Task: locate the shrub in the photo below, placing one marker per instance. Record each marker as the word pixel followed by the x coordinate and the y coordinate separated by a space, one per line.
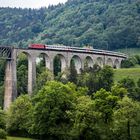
pixel 137 58
pixel 2 134
pixel 127 63
pixel 131 62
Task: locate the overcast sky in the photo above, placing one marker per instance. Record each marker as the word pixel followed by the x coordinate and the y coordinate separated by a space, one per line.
pixel 29 3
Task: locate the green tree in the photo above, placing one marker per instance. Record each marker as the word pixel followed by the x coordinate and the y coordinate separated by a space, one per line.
pixel 42 78
pixel 57 65
pixel 105 103
pixel 2 71
pixel 90 78
pixel 72 76
pixel 96 78
pixel 22 74
pixel 49 113
pixel 106 78
pixel 2 124
pixel 119 91
pixel 130 62
pixel 126 120
pixel 138 83
pixel 18 116
pixel 127 63
pixel 85 120
pixel 2 95
pixel 129 84
pixel 2 75
pixel 105 24
pixel 137 58
pixel 2 119
pixel 137 91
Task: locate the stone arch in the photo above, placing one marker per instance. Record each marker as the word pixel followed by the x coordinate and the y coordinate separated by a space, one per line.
pixel 28 87
pixel 77 62
pixel 26 53
pixel 30 59
pixel 109 62
pixel 89 61
pixel 31 70
pixel 100 61
pixel 62 62
pixel 47 59
pixel 116 64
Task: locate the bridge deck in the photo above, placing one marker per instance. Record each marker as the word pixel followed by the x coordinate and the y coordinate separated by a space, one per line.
pixel 81 50
pixel 6 51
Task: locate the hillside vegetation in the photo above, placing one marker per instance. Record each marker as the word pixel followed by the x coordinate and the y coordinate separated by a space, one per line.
pixel 106 24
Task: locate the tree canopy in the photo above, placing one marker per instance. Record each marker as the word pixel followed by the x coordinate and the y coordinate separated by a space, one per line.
pixel 106 24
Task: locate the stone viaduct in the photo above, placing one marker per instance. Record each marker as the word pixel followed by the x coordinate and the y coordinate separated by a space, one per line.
pixel 79 56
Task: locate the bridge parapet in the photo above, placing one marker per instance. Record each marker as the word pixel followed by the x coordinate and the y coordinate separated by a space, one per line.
pixel 5 52
pixel 110 53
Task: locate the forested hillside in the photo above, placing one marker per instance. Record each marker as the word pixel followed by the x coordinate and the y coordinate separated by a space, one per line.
pixel 104 24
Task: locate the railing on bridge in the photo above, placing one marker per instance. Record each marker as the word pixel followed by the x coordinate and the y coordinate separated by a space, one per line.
pixel 5 52
pixel 82 50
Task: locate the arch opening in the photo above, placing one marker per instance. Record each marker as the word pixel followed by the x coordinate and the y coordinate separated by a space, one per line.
pixel 23 59
pixel 88 62
pixel 100 62
pixel 59 64
pixel 76 61
pixel 109 62
pixel 42 62
pixel 116 64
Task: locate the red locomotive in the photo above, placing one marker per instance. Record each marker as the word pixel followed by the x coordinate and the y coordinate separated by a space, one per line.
pixel 37 46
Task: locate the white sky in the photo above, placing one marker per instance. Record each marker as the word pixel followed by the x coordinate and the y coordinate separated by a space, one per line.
pixel 29 3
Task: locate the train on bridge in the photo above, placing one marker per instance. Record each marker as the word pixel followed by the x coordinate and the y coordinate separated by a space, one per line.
pixel 75 49
pixel 59 47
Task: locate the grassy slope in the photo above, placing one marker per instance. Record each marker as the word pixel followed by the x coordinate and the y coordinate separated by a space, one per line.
pixel 17 138
pixel 133 73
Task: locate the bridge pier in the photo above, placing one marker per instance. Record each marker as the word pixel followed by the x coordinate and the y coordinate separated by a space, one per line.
pixel 10 83
pixel 51 68
pixel 31 74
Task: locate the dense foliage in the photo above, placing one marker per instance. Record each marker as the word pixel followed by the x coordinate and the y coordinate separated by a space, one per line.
pixel 107 24
pixel 19 112
pixel 96 78
pixel 90 109
pixel 65 112
pixel 2 124
pixel 85 106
